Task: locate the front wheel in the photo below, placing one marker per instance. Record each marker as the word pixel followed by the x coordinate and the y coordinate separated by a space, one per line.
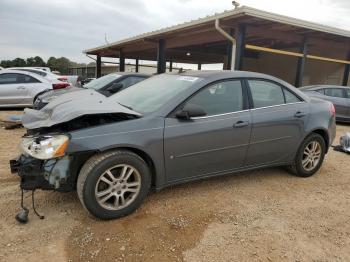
pixel 310 156
pixel 113 184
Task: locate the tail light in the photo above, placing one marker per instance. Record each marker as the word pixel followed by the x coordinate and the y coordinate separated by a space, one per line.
pixel 60 85
pixel 333 110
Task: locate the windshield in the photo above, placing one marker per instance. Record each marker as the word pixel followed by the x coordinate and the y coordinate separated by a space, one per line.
pixel 153 93
pixel 102 81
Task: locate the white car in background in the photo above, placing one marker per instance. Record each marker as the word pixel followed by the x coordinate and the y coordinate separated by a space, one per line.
pixel 73 80
pixel 20 88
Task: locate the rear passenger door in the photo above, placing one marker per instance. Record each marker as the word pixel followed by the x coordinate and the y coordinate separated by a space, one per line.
pixel 278 119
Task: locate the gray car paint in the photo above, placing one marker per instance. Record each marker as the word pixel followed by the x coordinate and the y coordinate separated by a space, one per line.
pixel 342 105
pixel 186 150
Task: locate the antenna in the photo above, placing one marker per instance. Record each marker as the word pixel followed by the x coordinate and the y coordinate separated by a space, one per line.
pixel 106 39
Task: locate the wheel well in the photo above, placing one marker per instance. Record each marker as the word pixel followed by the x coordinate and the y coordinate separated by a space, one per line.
pixel 146 158
pixel 40 93
pixel 324 134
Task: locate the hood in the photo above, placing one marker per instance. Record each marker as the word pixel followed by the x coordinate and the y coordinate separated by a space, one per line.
pixel 72 105
pixel 50 95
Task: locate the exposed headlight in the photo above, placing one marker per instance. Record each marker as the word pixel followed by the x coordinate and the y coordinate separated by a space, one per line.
pixel 45 147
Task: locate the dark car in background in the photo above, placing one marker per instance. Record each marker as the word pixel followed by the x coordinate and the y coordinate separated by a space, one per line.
pixel 170 129
pixel 106 85
pixel 338 95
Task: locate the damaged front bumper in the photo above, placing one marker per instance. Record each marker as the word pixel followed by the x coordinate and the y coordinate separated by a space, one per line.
pixel 51 174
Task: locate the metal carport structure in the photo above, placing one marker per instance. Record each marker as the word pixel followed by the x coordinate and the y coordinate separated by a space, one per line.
pixel 239 38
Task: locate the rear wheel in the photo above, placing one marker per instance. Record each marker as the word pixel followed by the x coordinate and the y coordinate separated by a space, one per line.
pixel 310 156
pixel 113 184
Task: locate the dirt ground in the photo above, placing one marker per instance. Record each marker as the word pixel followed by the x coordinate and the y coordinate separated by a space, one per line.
pixel 264 215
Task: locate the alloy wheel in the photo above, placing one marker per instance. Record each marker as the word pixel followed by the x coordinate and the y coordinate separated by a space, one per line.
pixel 311 155
pixel 118 187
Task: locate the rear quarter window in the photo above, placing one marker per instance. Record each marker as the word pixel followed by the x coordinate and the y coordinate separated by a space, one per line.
pixel 290 97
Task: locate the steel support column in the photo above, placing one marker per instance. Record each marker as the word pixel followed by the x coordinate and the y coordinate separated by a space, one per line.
pixel 137 65
pixel 161 62
pixel 121 62
pixel 170 66
pixel 230 52
pixel 301 65
pixel 346 72
pixel 240 46
pixel 98 66
pixel 199 66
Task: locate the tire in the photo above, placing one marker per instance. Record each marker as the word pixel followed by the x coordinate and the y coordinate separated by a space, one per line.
pixel 94 175
pixel 308 170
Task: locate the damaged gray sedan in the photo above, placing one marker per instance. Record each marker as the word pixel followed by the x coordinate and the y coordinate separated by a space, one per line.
pixel 170 129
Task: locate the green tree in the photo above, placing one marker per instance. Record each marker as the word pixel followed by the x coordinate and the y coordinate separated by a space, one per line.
pixel 19 62
pixel 38 61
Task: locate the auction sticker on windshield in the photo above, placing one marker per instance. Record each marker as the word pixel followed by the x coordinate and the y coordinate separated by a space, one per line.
pixel 188 78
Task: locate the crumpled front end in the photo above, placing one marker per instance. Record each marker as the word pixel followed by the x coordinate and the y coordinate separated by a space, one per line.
pixel 52 174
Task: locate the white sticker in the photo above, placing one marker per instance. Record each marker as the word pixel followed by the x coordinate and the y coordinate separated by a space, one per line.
pixel 187 78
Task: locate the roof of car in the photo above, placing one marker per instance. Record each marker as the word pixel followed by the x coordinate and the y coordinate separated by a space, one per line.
pixel 131 74
pixel 39 77
pixel 223 74
pixel 323 86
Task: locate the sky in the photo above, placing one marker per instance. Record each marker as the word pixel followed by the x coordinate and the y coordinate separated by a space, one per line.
pixel 66 27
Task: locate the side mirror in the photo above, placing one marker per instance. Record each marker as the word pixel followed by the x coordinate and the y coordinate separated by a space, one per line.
pixel 189 111
pixel 114 87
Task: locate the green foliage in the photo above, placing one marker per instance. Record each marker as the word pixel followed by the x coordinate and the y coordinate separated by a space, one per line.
pixel 61 64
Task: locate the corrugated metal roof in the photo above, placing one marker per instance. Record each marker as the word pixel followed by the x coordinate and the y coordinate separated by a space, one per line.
pixel 244 10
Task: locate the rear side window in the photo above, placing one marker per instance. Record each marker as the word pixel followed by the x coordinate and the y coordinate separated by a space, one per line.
pixel 220 98
pixel 29 79
pixel 265 93
pixel 335 92
pixel 290 97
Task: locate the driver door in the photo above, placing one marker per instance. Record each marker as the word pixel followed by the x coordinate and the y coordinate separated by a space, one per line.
pixel 218 142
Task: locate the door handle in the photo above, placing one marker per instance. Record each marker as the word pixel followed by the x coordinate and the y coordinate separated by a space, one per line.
pixel 21 87
pixel 299 114
pixel 240 124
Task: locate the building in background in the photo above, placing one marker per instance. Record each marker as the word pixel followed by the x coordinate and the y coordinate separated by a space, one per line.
pixel 298 51
pixel 90 70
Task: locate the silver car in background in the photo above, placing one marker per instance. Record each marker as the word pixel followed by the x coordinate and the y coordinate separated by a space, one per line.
pixel 20 88
pixel 338 95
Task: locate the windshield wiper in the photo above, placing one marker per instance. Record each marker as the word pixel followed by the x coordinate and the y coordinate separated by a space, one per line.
pixel 128 107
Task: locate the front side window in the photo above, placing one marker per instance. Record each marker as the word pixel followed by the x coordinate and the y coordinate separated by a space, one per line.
pixel 9 78
pixel 102 81
pixel 219 98
pixel 335 92
pixel 265 93
pixel 131 80
pixel 321 91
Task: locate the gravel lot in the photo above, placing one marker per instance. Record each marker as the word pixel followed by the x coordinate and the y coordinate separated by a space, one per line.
pixel 265 215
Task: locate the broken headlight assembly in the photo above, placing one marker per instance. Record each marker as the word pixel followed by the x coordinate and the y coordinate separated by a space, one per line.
pixel 45 147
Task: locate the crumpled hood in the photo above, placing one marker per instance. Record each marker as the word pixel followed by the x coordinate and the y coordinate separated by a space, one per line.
pixel 72 105
pixel 50 95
